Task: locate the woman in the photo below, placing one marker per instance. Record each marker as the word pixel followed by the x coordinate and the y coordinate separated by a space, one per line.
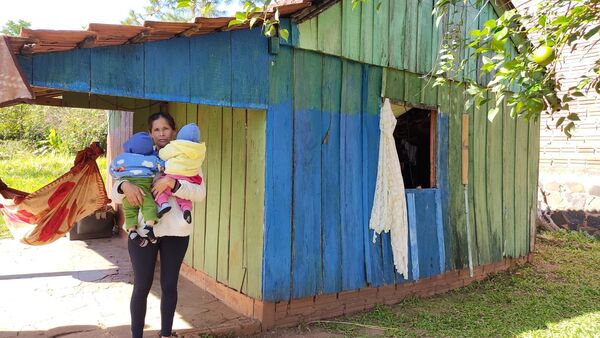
pixel 172 230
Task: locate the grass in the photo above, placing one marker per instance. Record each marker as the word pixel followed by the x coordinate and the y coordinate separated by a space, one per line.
pixel 556 295
pixel 22 170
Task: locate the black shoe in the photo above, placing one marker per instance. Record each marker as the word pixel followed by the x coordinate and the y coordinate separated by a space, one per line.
pixel 150 233
pixel 141 241
pixel 163 209
pixel 187 215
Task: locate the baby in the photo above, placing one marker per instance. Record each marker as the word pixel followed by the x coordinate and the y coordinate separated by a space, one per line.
pixel 138 164
pixel 183 158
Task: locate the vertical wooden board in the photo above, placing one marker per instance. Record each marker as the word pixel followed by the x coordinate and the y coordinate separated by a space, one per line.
pixel 508 182
pixel 191 111
pixel 200 207
pixel 443 144
pixel 472 66
pixel 278 180
pixel 211 66
pixel 426 225
pixel 533 168
pixel 126 104
pixel 308 34
pixel 413 247
pixel 353 257
pixel 255 199
pixel 437 36
pixel 366 31
pixel 397 33
pixel 351 28
pixel 225 212
pixel 480 171
pixel 364 169
pixel 412 88
pixel 411 28
pixel 424 36
pixel 456 196
pixel 429 93
pixel 26 66
pixel 213 185
pixel 381 33
pixel 306 254
pixel 456 17
pixel 371 136
pixel 237 265
pixel 394 84
pixel 179 113
pixel 330 175
pixel 118 70
pixel 140 117
pixel 439 228
pixel 64 70
pixel 521 212
pixel 494 184
pixel 250 66
pixel 329 37
pixel 165 65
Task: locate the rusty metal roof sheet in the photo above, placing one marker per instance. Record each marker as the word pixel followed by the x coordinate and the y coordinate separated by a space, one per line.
pixel 34 41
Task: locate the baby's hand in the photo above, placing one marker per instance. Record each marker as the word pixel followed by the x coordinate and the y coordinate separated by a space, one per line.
pixel 162 184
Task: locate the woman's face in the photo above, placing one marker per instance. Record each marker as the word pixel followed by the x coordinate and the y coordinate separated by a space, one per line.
pixel 161 132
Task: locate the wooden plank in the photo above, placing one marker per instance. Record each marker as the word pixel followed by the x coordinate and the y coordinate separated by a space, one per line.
pixel 508 182
pixel 364 169
pixel 397 34
pixel 211 83
pixel 371 135
pixel 428 93
pixel 425 226
pixel 237 266
pixel 197 218
pixel 443 143
pixel 278 178
pixel 494 185
pixel 103 102
pixel 412 88
pixel 533 168
pixel 255 199
pixel 306 251
pixel 179 113
pixel 411 37
pixel 351 28
pixel 353 268
pixel 329 38
pixel 26 66
pixel 213 185
pixel 308 34
pixel 118 71
pixel 521 213
pixel 480 192
pixel 424 36
pixel 68 70
pixel 165 63
pixel 414 272
pixel 439 229
pixel 456 196
pixel 381 35
pixel 73 99
pixel 437 37
pixel 249 65
pixel 394 84
pixel 225 212
pixel 472 66
pixel 367 31
pixel 330 178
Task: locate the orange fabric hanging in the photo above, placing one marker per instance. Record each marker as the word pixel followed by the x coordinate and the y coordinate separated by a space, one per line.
pixel 48 213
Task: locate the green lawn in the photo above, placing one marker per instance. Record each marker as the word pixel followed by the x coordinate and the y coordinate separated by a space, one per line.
pixel 556 295
pixel 22 170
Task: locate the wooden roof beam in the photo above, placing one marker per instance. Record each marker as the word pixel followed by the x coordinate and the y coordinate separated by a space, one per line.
pixel 140 37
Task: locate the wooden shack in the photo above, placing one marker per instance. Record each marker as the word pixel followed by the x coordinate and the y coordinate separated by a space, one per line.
pixel 292 134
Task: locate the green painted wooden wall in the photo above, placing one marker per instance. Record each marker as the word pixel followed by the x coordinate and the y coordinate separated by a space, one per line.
pixel 503 167
pixel 391 33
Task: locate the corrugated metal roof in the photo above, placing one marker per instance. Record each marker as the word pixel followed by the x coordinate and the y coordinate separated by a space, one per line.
pixel 34 41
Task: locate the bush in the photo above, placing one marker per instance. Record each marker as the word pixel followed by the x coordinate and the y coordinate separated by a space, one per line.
pixel 76 127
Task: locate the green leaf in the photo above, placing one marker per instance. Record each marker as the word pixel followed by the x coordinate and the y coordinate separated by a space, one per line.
pixel 577 93
pixel 490 23
pixel 284 34
pixel 560 121
pixel 569 129
pixel 235 22
pixel 241 16
pixel 253 21
pixel 492 114
pixel 591 32
pixel 573 117
pixel 561 20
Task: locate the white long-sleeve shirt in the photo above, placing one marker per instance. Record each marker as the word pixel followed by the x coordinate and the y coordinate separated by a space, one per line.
pixel 172 223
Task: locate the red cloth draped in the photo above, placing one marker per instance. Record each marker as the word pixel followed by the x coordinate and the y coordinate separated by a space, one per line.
pixel 47 214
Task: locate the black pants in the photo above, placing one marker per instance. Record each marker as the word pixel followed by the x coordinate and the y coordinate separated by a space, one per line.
pixel 143 260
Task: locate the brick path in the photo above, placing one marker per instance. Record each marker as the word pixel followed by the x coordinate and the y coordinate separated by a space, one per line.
pixel 82 289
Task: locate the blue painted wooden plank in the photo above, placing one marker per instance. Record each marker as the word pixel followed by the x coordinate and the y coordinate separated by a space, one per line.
pixel 412 237
pixel 442 177
pixel 370 158
pixel 26 66
pixel 365 207
pixel 292 28
pixel 353 256
pixel 166 68
pixel 211 69
pixel 118 70
pixel 66 70
pixel 330 177
pixel 249 65
pixel 277 258
pixel 426 227
pixel 306 257
pixel 440 231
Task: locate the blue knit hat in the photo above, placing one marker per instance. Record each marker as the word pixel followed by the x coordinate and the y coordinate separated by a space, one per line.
pixel 189 132
pixel 139 143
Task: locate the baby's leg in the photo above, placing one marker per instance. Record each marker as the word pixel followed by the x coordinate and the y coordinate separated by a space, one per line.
pixel 186 208
pixel 161 200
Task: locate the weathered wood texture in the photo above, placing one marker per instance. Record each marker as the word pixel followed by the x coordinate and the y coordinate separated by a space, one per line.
pixel 397 34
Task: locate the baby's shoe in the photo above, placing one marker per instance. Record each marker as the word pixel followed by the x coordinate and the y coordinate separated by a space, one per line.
pixel 163 209
pixel 149 232
pixel 135 236
pixel 187 215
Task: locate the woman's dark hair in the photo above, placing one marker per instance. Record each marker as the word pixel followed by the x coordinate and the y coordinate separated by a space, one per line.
pixel 157 116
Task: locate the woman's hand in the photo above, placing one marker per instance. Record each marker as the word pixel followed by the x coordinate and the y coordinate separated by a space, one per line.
pixel 133 193
pixel 162 184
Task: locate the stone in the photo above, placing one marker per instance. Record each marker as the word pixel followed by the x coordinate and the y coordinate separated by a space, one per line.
pixel 558 218
pixel 594 190
pixel 593 221
pixel 575 187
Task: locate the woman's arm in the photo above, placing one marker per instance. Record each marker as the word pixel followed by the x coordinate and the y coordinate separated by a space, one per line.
pixel 124 189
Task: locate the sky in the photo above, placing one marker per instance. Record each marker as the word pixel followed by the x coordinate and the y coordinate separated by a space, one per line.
pixel 67 14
